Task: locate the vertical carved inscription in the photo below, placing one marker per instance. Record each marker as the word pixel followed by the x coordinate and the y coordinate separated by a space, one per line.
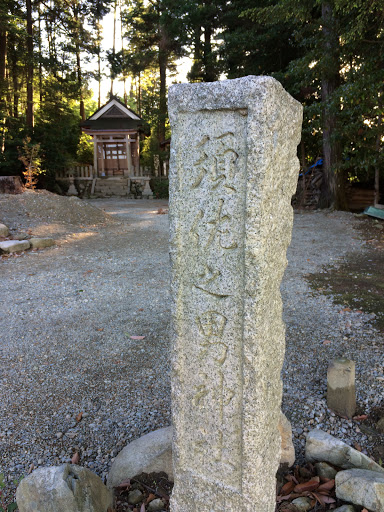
pixel 213 184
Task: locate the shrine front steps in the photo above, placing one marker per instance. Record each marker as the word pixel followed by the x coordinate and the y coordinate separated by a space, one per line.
pixel 112 187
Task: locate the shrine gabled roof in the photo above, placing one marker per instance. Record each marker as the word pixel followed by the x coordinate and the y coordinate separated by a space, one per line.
pixel 113 115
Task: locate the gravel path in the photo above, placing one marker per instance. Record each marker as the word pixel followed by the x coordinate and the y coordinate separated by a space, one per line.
pixel 73 379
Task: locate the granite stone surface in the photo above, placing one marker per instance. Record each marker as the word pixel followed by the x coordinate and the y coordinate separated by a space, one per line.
pixel 232 174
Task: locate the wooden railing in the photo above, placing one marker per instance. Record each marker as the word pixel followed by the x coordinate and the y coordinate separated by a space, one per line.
pixel 78 171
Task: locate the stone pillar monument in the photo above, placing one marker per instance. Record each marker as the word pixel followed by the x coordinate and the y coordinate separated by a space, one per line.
pixel 232 174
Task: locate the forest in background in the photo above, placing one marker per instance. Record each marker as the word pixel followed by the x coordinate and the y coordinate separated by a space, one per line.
pixel 327 54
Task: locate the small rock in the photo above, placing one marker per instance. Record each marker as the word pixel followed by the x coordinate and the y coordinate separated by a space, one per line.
pixel 41 243
pixel 20 236
pixel 155 505
pixel 150 453
pixel 66 488
pixel 302 504
pixel 345 508
pixel 4 231
pixel 135 496
pixel 321 447
pixel 380 425
pixel 10 246
pixel 324 470
pixel 287 449
pixel 361 487
pixel 59 435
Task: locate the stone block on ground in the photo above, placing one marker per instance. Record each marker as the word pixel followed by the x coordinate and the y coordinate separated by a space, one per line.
pixel 41 243
pixel 21 236
pixel 324 470
pixel 361 487
pixel 302 504
pixel 151 453
pixel 345 508
pixel 380 425
pixel 322 447
pixel 232 173
pixel 341 394
pixel 10 246
pixel 287 448
pixel 4 231
pixel 135 496
pixel 66 488
pixel 156 505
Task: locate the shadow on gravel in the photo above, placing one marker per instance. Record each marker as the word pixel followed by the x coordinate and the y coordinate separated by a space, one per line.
pixel 358 283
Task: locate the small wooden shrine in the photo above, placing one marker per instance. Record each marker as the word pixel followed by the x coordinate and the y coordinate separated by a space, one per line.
pixel 115 130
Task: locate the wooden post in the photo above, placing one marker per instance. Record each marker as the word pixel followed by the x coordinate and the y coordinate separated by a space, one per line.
pixel 129 156
pixel 95 154
pixel 102 160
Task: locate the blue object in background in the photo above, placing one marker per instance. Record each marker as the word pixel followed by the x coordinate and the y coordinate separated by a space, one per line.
pixel 319 163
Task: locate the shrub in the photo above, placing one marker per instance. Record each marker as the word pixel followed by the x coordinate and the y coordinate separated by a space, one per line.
pixel 160 187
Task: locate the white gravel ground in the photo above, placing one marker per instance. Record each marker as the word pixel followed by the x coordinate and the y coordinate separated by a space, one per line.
pixel 68 314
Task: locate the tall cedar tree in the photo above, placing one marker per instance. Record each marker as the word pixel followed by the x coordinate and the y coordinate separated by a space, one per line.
pixel 334 41
pixel 154 40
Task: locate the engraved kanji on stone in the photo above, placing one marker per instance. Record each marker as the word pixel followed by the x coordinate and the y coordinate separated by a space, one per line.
pixel 211 323
pixel 216 159
pixel 219 229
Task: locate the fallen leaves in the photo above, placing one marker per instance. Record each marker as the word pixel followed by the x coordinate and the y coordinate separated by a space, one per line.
pixel 78 417
pixel 305 483
pixel 311 485
pixel 75 458
pixel 150 498
pixel 153 486
pixel 357 447
pixel 361 417
pixel 124 485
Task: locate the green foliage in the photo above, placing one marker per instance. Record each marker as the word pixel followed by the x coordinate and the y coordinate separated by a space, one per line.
pixel 160 188
pixel 30 156
pixel 4 506
pixel 85 150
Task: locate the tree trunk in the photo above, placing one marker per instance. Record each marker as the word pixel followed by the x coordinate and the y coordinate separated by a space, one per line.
pixel 378 147
pixel 163 62
pixel 139 94
pixel 16 93
pixel 99 61
pixel 209 74
pixel 3 87
pixel 333 186
pixel 3 58
pixel 40 60
pixel 80 82
pixel 29 114
pixel 122 53
pixel 114 42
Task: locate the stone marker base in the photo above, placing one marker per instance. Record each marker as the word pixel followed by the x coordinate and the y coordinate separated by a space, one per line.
pixel 341 394
pixel 152 453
